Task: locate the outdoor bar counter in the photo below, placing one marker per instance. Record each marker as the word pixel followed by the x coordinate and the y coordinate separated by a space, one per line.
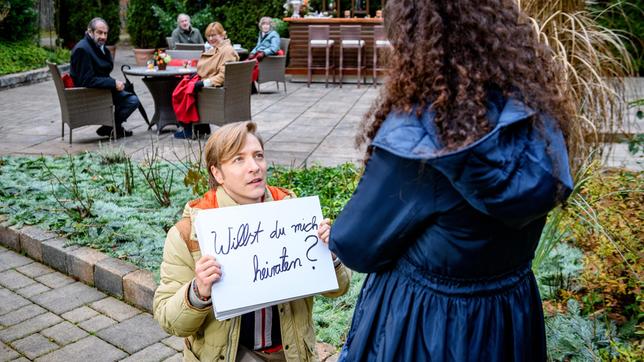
pixel 298 51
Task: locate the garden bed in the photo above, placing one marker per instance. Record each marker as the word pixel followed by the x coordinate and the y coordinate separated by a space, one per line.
pixel 24 56
pixel 589 270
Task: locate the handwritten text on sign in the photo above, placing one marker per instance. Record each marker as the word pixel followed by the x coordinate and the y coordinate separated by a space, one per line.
pixel 269 253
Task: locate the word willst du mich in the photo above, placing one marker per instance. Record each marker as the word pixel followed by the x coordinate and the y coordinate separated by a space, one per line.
pixel 246 234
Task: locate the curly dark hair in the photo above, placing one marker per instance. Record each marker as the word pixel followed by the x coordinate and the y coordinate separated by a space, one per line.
pixel 448 54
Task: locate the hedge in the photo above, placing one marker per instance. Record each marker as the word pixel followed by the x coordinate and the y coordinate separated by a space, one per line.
pixel 25 55
pixel 72 17
pixel 22 21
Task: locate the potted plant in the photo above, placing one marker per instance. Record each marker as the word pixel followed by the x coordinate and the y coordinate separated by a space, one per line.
pixel 161 59
pixel 144 30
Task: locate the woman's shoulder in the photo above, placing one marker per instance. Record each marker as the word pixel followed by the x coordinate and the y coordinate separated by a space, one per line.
pixel 414 134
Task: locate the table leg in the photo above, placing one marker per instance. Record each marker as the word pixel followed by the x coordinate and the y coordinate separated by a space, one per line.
pixel 161 89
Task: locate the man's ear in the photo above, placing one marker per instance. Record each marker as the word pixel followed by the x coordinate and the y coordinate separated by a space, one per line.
pixel 219 176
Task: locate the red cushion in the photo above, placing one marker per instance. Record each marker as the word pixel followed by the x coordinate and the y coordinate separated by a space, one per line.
pixel 68 82
pixel 280 52
pixel 179 62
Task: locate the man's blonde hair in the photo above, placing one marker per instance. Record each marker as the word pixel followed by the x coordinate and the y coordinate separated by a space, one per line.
pixel 215 28
pixel 225 143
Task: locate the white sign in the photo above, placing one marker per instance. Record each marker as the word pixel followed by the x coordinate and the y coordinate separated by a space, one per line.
pixel 269 254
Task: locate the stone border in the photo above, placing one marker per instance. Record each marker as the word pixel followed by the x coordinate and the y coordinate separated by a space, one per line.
pixel 110 275
pixel 28 77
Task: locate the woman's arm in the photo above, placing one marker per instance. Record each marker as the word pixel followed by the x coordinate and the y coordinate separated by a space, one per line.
pixel 217 80
pixel 376 226
pixel 274 45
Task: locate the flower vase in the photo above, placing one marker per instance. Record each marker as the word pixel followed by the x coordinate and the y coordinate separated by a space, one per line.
pixel 161 66
pixel 296 8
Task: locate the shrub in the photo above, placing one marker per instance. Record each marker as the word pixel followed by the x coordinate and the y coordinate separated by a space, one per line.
pixel 626 18
pixel 72 17
pixel 144 29
pixel 23 56
pixel 21 23
pixel 281 27
pixel 168 17
pixel 572 337
pixel 240 18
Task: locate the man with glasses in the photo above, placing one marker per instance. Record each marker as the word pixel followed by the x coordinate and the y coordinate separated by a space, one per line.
pixel 91 65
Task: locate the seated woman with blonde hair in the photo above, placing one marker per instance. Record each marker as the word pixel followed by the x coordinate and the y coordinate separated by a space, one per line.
pixel 211 73
pixel 268 43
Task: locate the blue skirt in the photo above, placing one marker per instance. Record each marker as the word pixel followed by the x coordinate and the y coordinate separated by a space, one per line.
pixel 405 314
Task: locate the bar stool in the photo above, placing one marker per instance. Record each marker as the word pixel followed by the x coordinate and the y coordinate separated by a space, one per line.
pixel 319 37
pixel 379 42
pixel 350 38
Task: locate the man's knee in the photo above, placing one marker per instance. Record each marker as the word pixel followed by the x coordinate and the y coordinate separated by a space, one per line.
pixel 132 100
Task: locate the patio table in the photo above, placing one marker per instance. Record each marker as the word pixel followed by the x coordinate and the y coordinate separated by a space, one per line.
pixel 161 84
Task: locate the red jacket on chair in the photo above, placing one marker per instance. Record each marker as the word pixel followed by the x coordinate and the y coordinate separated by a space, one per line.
pixel 184 101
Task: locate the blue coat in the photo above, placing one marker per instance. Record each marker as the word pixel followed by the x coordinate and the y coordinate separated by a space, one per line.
pixel 269 44
pixel 448 238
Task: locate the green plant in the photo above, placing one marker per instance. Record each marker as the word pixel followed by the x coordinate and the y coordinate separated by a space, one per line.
pixel 571 337
pixel 332 316
pixel 191 165
pixel 595 61
pixel 80 205
pixel 59 55
pixel 240 18
pixel 334 185
pixel 110 155
pixel 560 271
pixel 25 55
pixel 626 18
pixel 21 22
pixel 636 142
pixel 168 18
pixel 73 16
pixel 554 232
pixel 160 185
pixel 281 27
pixel 144 29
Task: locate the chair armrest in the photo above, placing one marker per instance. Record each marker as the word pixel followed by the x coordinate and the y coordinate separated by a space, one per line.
pixel 274 58
pixel 213 91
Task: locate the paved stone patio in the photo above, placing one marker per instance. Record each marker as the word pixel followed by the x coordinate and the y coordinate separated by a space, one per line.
pixel 301 127
pixel 48 316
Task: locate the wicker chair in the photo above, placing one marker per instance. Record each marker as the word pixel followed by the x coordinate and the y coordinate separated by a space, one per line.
pixel 230 103
pixel 273 68
pixel 184 54
pixel 189 46
pixel 82 106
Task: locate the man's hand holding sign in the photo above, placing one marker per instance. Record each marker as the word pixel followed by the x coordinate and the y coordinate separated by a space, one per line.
pixel 258 250
pixel 249 253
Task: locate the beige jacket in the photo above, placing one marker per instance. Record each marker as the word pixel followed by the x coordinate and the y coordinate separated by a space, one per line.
pixel 208 339
pixel 211 64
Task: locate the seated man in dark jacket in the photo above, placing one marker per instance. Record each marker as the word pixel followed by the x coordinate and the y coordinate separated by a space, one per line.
pixel 91 65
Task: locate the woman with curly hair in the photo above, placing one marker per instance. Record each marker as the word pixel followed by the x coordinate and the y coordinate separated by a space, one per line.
pixel 467 155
